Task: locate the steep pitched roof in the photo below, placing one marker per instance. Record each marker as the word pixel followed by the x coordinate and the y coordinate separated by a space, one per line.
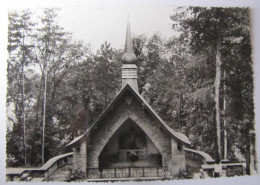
pixel 206 156
pixel 76 140
pixel 179 136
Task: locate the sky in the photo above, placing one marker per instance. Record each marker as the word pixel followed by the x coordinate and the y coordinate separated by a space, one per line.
pixel 97 24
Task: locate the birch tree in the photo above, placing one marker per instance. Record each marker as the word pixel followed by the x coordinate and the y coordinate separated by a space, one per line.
pixel 51 41
pixel 20 55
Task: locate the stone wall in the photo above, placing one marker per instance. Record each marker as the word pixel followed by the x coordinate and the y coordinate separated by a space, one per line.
pixel 178 164
pixel 224 170
pixel 235 170
pixel 193 163
pixel 80 157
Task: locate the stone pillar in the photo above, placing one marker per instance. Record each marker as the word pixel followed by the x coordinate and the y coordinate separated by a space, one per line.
pixel 178 164
pixel 80 157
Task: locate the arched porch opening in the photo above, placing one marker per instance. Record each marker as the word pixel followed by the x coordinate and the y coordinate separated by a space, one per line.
pixel 129 147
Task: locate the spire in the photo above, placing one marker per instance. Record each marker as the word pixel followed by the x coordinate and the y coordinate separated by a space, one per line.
pixel 128 41
pixel 129 68
pixel 129 56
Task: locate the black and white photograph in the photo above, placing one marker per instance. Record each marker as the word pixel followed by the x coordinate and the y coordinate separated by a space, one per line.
pixel 129 93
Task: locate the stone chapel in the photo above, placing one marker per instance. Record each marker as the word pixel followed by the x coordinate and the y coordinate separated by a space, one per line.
pixel 129 139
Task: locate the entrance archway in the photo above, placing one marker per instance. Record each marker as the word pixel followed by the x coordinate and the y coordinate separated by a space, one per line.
pixel 129 147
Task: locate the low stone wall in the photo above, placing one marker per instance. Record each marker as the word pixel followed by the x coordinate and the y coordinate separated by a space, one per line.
pixel 44 172
pixel 194 161
pixel 224 170
pixel 234 170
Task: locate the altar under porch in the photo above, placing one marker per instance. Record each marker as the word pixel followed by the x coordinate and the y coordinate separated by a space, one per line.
pixel 131 158
pixel 130 147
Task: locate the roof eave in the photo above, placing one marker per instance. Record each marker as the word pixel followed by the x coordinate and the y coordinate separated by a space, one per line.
pixel 185 140
pixel 76 140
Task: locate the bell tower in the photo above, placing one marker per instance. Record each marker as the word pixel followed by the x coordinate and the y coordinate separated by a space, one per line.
pixel 129 68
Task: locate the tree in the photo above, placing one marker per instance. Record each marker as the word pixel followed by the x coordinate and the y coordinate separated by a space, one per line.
pixel 158 79
pixel 63 76
pixel 20 54
pixel 218 32
pixel 53 56
pixel 96 80
pixel 107 74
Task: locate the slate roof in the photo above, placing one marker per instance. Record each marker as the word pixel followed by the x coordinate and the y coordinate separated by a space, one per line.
pixel 206 156
pixel 179 136
pixel 76 139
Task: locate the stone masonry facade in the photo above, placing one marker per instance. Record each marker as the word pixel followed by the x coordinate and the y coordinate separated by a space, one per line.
pixel 178 164
pixel 173 158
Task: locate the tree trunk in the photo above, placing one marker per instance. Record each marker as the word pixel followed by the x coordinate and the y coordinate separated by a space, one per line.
pixel 248 153
pixel 253 167
pixel 33 158
pixel 23 105
pixel 44 110
pixel 45 71
pixel 179 114
pixel 224 121
pixel 24 142
pixel 217 106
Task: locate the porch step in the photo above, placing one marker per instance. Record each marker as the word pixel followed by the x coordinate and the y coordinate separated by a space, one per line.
pixel 129 179
pixel 29 178
pixel 24 176
pixel 37 179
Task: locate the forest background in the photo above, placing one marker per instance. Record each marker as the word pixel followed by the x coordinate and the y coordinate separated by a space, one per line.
pixel 61 84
